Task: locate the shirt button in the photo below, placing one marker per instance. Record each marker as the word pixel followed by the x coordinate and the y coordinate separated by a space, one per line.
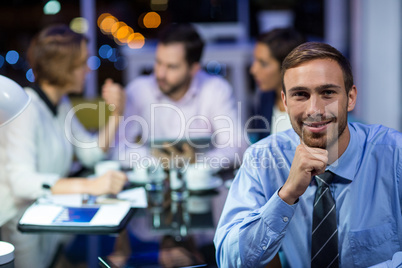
pixel 264 247
pixel 285 219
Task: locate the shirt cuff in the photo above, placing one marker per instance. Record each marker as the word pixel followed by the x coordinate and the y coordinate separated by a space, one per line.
pixel 277 214
pixel 48 181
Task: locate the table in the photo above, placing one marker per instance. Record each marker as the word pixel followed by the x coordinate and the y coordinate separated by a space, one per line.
pixel 173 218
pixel 185 219
pixel 67 214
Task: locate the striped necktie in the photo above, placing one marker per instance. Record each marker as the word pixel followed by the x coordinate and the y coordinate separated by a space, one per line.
pixel 324 243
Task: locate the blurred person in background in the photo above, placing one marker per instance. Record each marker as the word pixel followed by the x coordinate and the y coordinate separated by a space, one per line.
pixel 37 148
pixel 177 101
pixel 270 50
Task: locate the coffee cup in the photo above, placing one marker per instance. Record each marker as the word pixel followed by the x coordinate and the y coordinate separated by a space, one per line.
pixel 6 255
pixel 198 204
pixel 139 175
pixel 156 173
pixel 198 177
pixel 104 166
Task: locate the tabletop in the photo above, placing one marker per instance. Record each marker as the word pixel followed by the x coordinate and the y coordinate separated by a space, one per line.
pixel 180 219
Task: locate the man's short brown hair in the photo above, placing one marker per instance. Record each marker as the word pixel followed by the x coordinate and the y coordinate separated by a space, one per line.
pixel 315 50
pixel 54 53
pixel 187 35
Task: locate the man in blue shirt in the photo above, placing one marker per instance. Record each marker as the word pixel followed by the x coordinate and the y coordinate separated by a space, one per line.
pixel 270 203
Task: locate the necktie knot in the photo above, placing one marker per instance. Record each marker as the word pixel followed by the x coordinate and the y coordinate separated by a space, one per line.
pixel 325 179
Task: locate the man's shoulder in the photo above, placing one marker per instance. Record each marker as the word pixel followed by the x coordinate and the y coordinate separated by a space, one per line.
pixel 377 134
pixel 140 82
pixel 282 141
pixel 212 83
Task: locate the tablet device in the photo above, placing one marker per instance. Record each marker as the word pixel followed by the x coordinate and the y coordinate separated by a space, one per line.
pixel 198 143
pixel 86 220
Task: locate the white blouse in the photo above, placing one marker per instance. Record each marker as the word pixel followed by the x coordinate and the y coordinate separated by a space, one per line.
pixel 280 121
pixel 37 148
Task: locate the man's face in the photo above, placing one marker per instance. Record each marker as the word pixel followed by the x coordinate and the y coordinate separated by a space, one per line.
pixel 172 72
pixel 317 102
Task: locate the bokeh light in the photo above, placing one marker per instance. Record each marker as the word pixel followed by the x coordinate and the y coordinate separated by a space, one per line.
pixel 30 76
pixel 12 57
pixel 123 33
pixel 152 20
pixel 102 17
pixel 51 8
pixel 1 61
pixel 79 25
pixel 105 51
pixel 113 57
pixel 136 41
pixel 107 23
pixel 216 68
pixel 116 26
pixel 120 64
pixel 93 63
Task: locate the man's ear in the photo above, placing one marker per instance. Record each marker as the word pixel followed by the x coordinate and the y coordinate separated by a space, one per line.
pixel 194 68
pixel 284 100
pixel 352 95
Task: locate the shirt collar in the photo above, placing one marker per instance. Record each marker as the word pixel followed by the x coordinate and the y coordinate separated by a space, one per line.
pixel 43 96
pixel 192 90
pixel 346 165
pixel 194 86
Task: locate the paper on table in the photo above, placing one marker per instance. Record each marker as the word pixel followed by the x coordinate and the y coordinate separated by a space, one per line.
pixel 76 216
pixel 41 214
pixel 110 215
pixel 136 196
pixel 71 200
pixel 55 215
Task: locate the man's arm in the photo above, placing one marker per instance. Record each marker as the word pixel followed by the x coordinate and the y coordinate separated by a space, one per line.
pixel 129 147
pixel 394 263
pixel 396 260
pixel 253 222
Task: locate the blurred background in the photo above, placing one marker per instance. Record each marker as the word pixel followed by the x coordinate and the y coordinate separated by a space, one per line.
pixel 122 40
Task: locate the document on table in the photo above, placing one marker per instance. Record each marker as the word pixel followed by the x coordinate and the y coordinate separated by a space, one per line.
pixel 70 200
pixel 136 196
pixel 56 215
pixel 78 210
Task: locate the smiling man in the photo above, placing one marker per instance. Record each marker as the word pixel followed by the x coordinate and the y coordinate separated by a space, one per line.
pixel 333 198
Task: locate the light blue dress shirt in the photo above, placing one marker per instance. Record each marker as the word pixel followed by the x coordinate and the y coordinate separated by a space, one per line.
pixel 256 222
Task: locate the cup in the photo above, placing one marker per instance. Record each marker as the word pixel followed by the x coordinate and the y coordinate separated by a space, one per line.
pixel 139 175
pixel 175 181
pixel 199 204
pixel 156 177
pixel 156 173
pixel 104 166
pixel 198 177
pixel 141 172
pixel 6 255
